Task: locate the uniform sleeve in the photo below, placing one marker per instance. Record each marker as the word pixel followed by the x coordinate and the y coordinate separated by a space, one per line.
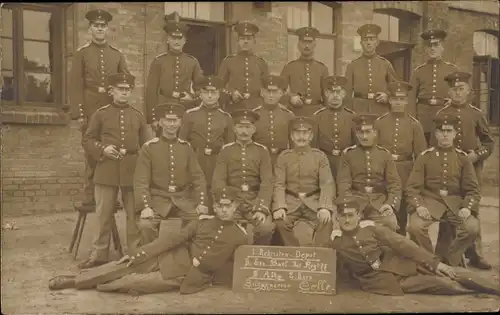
pixel 419 142
pixel 484 134
pixel 185 129
pixel 122 65
pixel 264 67
pixel 219 177
pixel 197 75
pixel 142 179
pixel 412 97
pixel 152 86
pixel 224 73
pixel 266 183
pixel 143 130
pixel 405 247
pixel 344 178
pixel 76 86
pixel 349 74
pixel 279 195
pixel 394 192
pixel 285 73
pixel 415 184
pixel 92 138
pixel 326 184
pixel 470 187
pixel 391 75
pixel 197 177
pixel 315 131
pixel 229 135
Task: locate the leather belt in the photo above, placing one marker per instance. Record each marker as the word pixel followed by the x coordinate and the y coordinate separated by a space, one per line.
pixel 430 101
pixel 97 89
pixel 174 94
pixel 402 157
pixel 334 152
pixel 276 150
pixel 369 189
pixel 368 96
pixel 302 194
pixel 166 192
pixel 248 188
pixel 210 151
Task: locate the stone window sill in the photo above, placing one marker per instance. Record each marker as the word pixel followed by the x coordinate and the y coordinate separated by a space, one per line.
pixel 34 116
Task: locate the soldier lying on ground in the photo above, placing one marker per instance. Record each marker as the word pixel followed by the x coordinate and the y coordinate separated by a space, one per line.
pixel 387 263
pixel 185 260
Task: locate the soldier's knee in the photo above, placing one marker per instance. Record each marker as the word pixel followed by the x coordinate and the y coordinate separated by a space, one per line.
pixel 265 228
pixel 471 227
pixel 147 225
pixel 416 226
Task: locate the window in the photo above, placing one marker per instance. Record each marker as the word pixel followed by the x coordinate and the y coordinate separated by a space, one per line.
pixel 208 11
pixel 320 16
pixel 31 41
pixel 389 25
pixel 485 44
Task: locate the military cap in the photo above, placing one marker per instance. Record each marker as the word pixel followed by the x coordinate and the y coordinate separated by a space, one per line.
pixel 98 14
pixel 361 120
pixel 210 82
pixel 273 82
pixel 245 116
pixel 169 108
pixel 399 88
pixel 246 29
pixel 301 123
pixel 333 81
pixel 442 120
pixel 118 78
pixel 346 203
pixel 175 29
pixel 307 33
pixel 225 196
pixel 456 77
pixel 369 30
pixel 433 35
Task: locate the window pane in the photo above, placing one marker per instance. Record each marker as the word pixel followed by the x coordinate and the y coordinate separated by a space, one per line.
pixel 7 86
pixel 322 18
pixel 36 25
pixel 37 88
pixel 325 50
pixel 6 26
pixel 297 15
pixel 211 11
pixel 188 9
pixel 8 53
pixel 36 56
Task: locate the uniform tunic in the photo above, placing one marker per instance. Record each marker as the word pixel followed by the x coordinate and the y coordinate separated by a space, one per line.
pixel 170 73
pixel 366 76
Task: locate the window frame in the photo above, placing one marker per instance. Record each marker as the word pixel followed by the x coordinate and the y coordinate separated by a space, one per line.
pixel 58 57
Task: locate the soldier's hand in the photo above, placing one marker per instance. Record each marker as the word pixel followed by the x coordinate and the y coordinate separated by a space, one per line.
pixel 81 121
pixel 447 101
pixel 111 152
pixel 187 97
pixel 147 213
pixel 124 259
pixel 279 214
pixel 201 209
pixel 464 213
pixel 295 100
pixel 196 262
pixel 381 97
pixel 236 96
pixel 155 125
pixel 423 212
pixel 324 216
pixel 444 270
pixel 385 210
pixel 473 157
pixel 259 216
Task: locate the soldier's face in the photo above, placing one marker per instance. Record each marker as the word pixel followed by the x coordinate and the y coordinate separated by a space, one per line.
pixel 170 124
pixel 369 44
pixel 335 96
pixel 176 43
pixel 366 135
pixel 225 211
pixel 460 94
pixel 271 96
pixel 306 47
pixel 121 93
pixel 434 50
pixel 244 131
pixel 445 136
pixel 398 104
pixel 98 30
pixel 348 219
pixel 301 138
pixel 246 42
pixel 210 97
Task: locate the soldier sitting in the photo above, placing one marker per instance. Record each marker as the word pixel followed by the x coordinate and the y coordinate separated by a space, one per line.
pixel 387 263
pixel 443 186
pixel 368 172
pixel 304 186
pixel 166 173
pixel 186 259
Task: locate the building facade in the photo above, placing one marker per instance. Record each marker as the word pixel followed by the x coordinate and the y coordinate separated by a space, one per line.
pixel 41 150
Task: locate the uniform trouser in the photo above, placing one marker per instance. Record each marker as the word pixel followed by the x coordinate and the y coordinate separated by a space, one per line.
pixel 362 105
pixel 306 110
pixel 466 232
pixel 105 196
pixel 373 214
pixel 142 283
pixel 404 171
pixel 285 227
pixel 334 163
pixel 263 231
pixel 88 174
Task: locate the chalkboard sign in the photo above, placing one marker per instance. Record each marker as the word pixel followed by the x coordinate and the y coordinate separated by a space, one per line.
pixel 309 270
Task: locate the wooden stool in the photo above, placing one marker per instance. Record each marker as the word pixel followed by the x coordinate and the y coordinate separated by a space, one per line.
pixel 80 224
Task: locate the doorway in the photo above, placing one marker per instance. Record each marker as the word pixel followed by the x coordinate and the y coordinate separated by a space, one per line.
pixel 486 87
pixel 399 55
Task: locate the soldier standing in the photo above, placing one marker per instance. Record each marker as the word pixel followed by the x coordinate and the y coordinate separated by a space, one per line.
pixel 368 75
pixel 245 166
pixel 115 134
pixel 335 129
pixel 242 72
pixel 443 187
pixel 92 64
pixel 402 135
pixel 272 126
pixel 368 172
pixel 429 88
pixel 166 174
pixel 304 186
pixel 171 74
pixel 474 137
pixel 305 76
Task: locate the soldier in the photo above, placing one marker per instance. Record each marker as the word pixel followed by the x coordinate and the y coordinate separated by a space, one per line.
pixel 368 172
pixel 92 64
pixel 241 72
pixel 304 186
pixel 474 137
pixel 171 74
pixel 402 135
pixel 166 264
pixel 429 89
pixel 245 166
pixel 115 134
pixel 305 76
pixel 443 187
pixel 387 263
pixel 368 75
pixel 166 174
pixel 335 129
pixel 272 126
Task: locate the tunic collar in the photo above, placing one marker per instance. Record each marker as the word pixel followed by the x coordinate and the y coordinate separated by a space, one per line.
pixel 245 53
pixel 165 139
pixel 120 106
pixel 243 145
pixel 302 150
pixel 435 61
pixel 448 149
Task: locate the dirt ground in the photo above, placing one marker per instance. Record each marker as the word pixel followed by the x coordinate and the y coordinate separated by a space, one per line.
pixel 37 251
